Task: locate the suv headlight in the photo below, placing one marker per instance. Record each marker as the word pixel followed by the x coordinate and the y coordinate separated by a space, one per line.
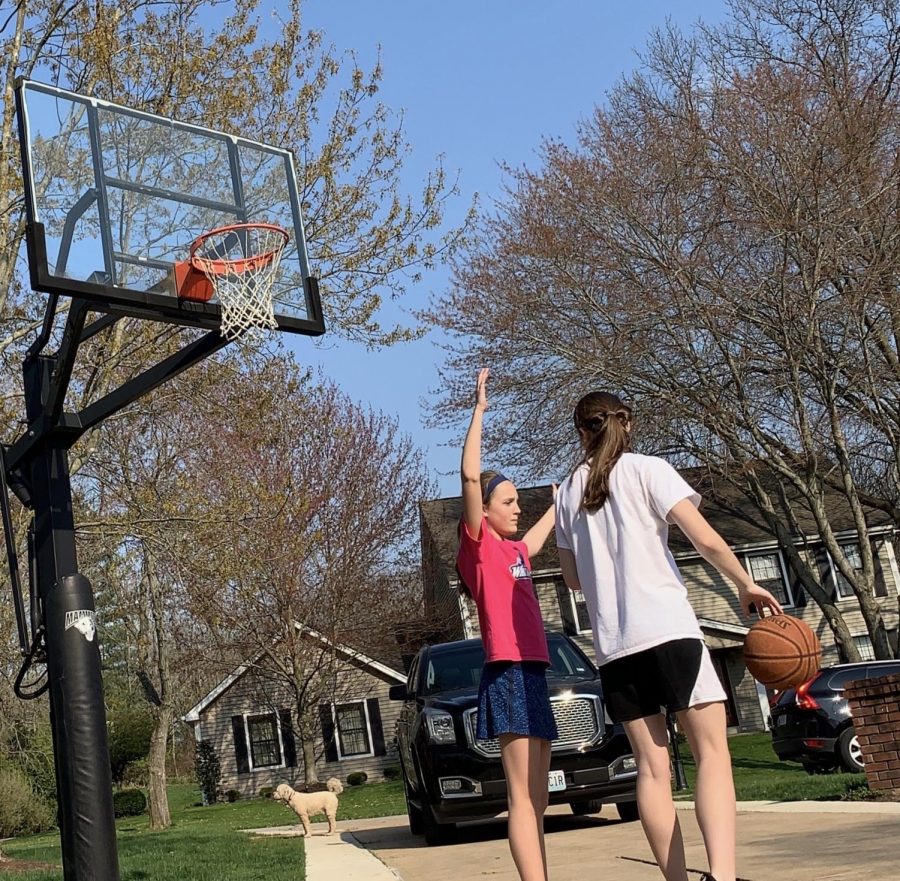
pixel 440 727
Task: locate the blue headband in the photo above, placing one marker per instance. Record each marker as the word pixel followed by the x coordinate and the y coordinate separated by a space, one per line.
pixel 493 483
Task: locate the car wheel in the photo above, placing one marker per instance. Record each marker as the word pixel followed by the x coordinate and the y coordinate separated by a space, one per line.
pixel 628 811
pixel 850 751
pixel 416 826
pixel 586 806
pixel 435 833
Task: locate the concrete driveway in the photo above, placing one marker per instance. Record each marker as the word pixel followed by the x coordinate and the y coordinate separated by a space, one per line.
pixel 799 841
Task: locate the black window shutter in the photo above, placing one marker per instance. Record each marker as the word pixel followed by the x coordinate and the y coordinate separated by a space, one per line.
pixel 240 744
pixel 564 600
pixel 331 753
pixel 823 569
pixel 880 582
pixel 378 746
pixel 287 738
pixel 798 591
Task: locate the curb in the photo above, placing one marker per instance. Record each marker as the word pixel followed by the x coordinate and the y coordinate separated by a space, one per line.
pixel 809 807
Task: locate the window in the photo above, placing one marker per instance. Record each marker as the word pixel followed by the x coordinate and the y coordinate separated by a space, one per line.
pixel 768 571
pixel 265 741
pixel 864 646
pixel 353 733
pixel 843 587
pixel 582 617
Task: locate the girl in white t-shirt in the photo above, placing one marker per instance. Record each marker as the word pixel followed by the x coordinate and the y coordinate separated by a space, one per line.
pixel 612 523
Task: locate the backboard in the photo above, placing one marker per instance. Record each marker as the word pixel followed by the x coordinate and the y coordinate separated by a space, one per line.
pixel 114 197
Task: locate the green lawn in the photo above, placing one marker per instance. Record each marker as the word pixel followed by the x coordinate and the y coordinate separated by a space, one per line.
pixel 760 776
pixel 203 844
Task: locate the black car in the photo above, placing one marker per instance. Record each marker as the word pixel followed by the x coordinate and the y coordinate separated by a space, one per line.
pixel 812 723
pixel 449 776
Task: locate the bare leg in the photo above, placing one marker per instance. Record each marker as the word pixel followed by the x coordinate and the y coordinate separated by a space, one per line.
pixel 540 795
pixel 525 764
pixel 705 727
pixel 649 741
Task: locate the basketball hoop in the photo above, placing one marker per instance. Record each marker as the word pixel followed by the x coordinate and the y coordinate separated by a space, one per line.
pixel 238 264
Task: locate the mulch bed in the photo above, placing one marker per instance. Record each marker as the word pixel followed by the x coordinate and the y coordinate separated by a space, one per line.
pixel 8 864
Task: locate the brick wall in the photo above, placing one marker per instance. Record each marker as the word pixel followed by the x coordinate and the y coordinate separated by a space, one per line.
pixel 875 705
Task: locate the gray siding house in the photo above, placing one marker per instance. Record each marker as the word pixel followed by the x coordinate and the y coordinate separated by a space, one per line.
pixel 714 599
pixel 248 719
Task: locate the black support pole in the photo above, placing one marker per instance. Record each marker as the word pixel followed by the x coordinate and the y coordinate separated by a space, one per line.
pixel 677 762
pixel 78 715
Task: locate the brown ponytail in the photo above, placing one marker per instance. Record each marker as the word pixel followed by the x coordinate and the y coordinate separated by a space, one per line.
pixel 604 419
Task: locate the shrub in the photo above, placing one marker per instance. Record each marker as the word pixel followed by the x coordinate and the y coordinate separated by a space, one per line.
pixel 136 774
pixel 128 735
pixel 232 795
pixel 357 778
pixel 392 772
pixel 129 803
pixel 32 754
pixel 266 792
pixel 209 771
pixel 22 810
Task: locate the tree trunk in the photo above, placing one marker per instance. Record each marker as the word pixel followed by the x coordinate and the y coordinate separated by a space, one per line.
pixel 871 612
pixel 159 741
pixel 309 760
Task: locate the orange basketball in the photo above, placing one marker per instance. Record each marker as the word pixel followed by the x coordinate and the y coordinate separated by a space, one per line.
pixel 782 652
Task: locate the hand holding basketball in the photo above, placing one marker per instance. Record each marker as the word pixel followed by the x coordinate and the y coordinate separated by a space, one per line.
pixel 753 595
pixel 782 652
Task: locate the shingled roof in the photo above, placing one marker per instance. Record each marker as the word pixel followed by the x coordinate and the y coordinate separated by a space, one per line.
pixel 730 512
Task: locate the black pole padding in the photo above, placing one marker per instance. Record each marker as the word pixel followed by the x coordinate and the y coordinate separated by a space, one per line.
pixel 87 821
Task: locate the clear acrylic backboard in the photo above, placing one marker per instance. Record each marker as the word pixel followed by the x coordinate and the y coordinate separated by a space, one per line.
pixel 115 197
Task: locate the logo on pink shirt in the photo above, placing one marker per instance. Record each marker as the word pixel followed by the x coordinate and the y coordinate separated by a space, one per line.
pixel 519 569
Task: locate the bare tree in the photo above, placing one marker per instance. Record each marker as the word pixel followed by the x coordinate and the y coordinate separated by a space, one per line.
pixel 311 507
pixel 721 248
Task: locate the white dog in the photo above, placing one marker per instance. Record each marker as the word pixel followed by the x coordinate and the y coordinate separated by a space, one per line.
pixel 305 803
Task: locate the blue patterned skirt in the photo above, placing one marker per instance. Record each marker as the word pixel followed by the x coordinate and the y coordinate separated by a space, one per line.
pixel 513 699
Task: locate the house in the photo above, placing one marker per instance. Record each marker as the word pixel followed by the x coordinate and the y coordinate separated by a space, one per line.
pixel 713 597
pixel 248 717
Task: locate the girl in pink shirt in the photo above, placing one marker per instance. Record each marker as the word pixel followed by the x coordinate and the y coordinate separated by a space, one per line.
pixel 513 703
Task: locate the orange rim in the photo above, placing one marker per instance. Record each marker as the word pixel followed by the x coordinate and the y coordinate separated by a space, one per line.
pixel 220 266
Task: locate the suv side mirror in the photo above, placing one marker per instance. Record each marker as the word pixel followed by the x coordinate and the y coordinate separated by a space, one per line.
pixel 398 693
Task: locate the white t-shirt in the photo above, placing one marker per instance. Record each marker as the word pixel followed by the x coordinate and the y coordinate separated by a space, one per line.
pixel 632 587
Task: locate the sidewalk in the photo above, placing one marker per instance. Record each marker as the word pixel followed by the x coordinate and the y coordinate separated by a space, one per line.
pixel 777 841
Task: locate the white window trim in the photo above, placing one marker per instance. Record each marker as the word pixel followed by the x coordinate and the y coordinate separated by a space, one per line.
pixel 892 562
pixel 337 731
pixel 253 767
pixel 790 602
pixel 575 612
pixel 834 574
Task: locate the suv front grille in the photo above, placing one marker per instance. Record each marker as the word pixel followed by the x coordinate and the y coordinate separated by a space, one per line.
pixel 579 719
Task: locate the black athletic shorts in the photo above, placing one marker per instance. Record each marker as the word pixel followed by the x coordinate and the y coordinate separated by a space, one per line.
pixel 674 675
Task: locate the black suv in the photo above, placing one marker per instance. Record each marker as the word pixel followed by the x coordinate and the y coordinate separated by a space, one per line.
pixel 449 776
pixel 812 723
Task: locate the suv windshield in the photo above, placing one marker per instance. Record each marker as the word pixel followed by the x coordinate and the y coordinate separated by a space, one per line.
pixel 459 668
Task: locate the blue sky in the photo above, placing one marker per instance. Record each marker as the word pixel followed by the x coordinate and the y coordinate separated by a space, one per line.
pixel 479 83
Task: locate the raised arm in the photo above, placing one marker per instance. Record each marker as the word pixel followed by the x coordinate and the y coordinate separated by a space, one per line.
pixel 536 536
pixel 712 547
pixel 470 467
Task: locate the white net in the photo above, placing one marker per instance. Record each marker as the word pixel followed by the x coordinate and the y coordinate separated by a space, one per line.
pixel 242 263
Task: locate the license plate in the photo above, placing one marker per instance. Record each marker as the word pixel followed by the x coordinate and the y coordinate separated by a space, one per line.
pixel 556 781
pixel 781 719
